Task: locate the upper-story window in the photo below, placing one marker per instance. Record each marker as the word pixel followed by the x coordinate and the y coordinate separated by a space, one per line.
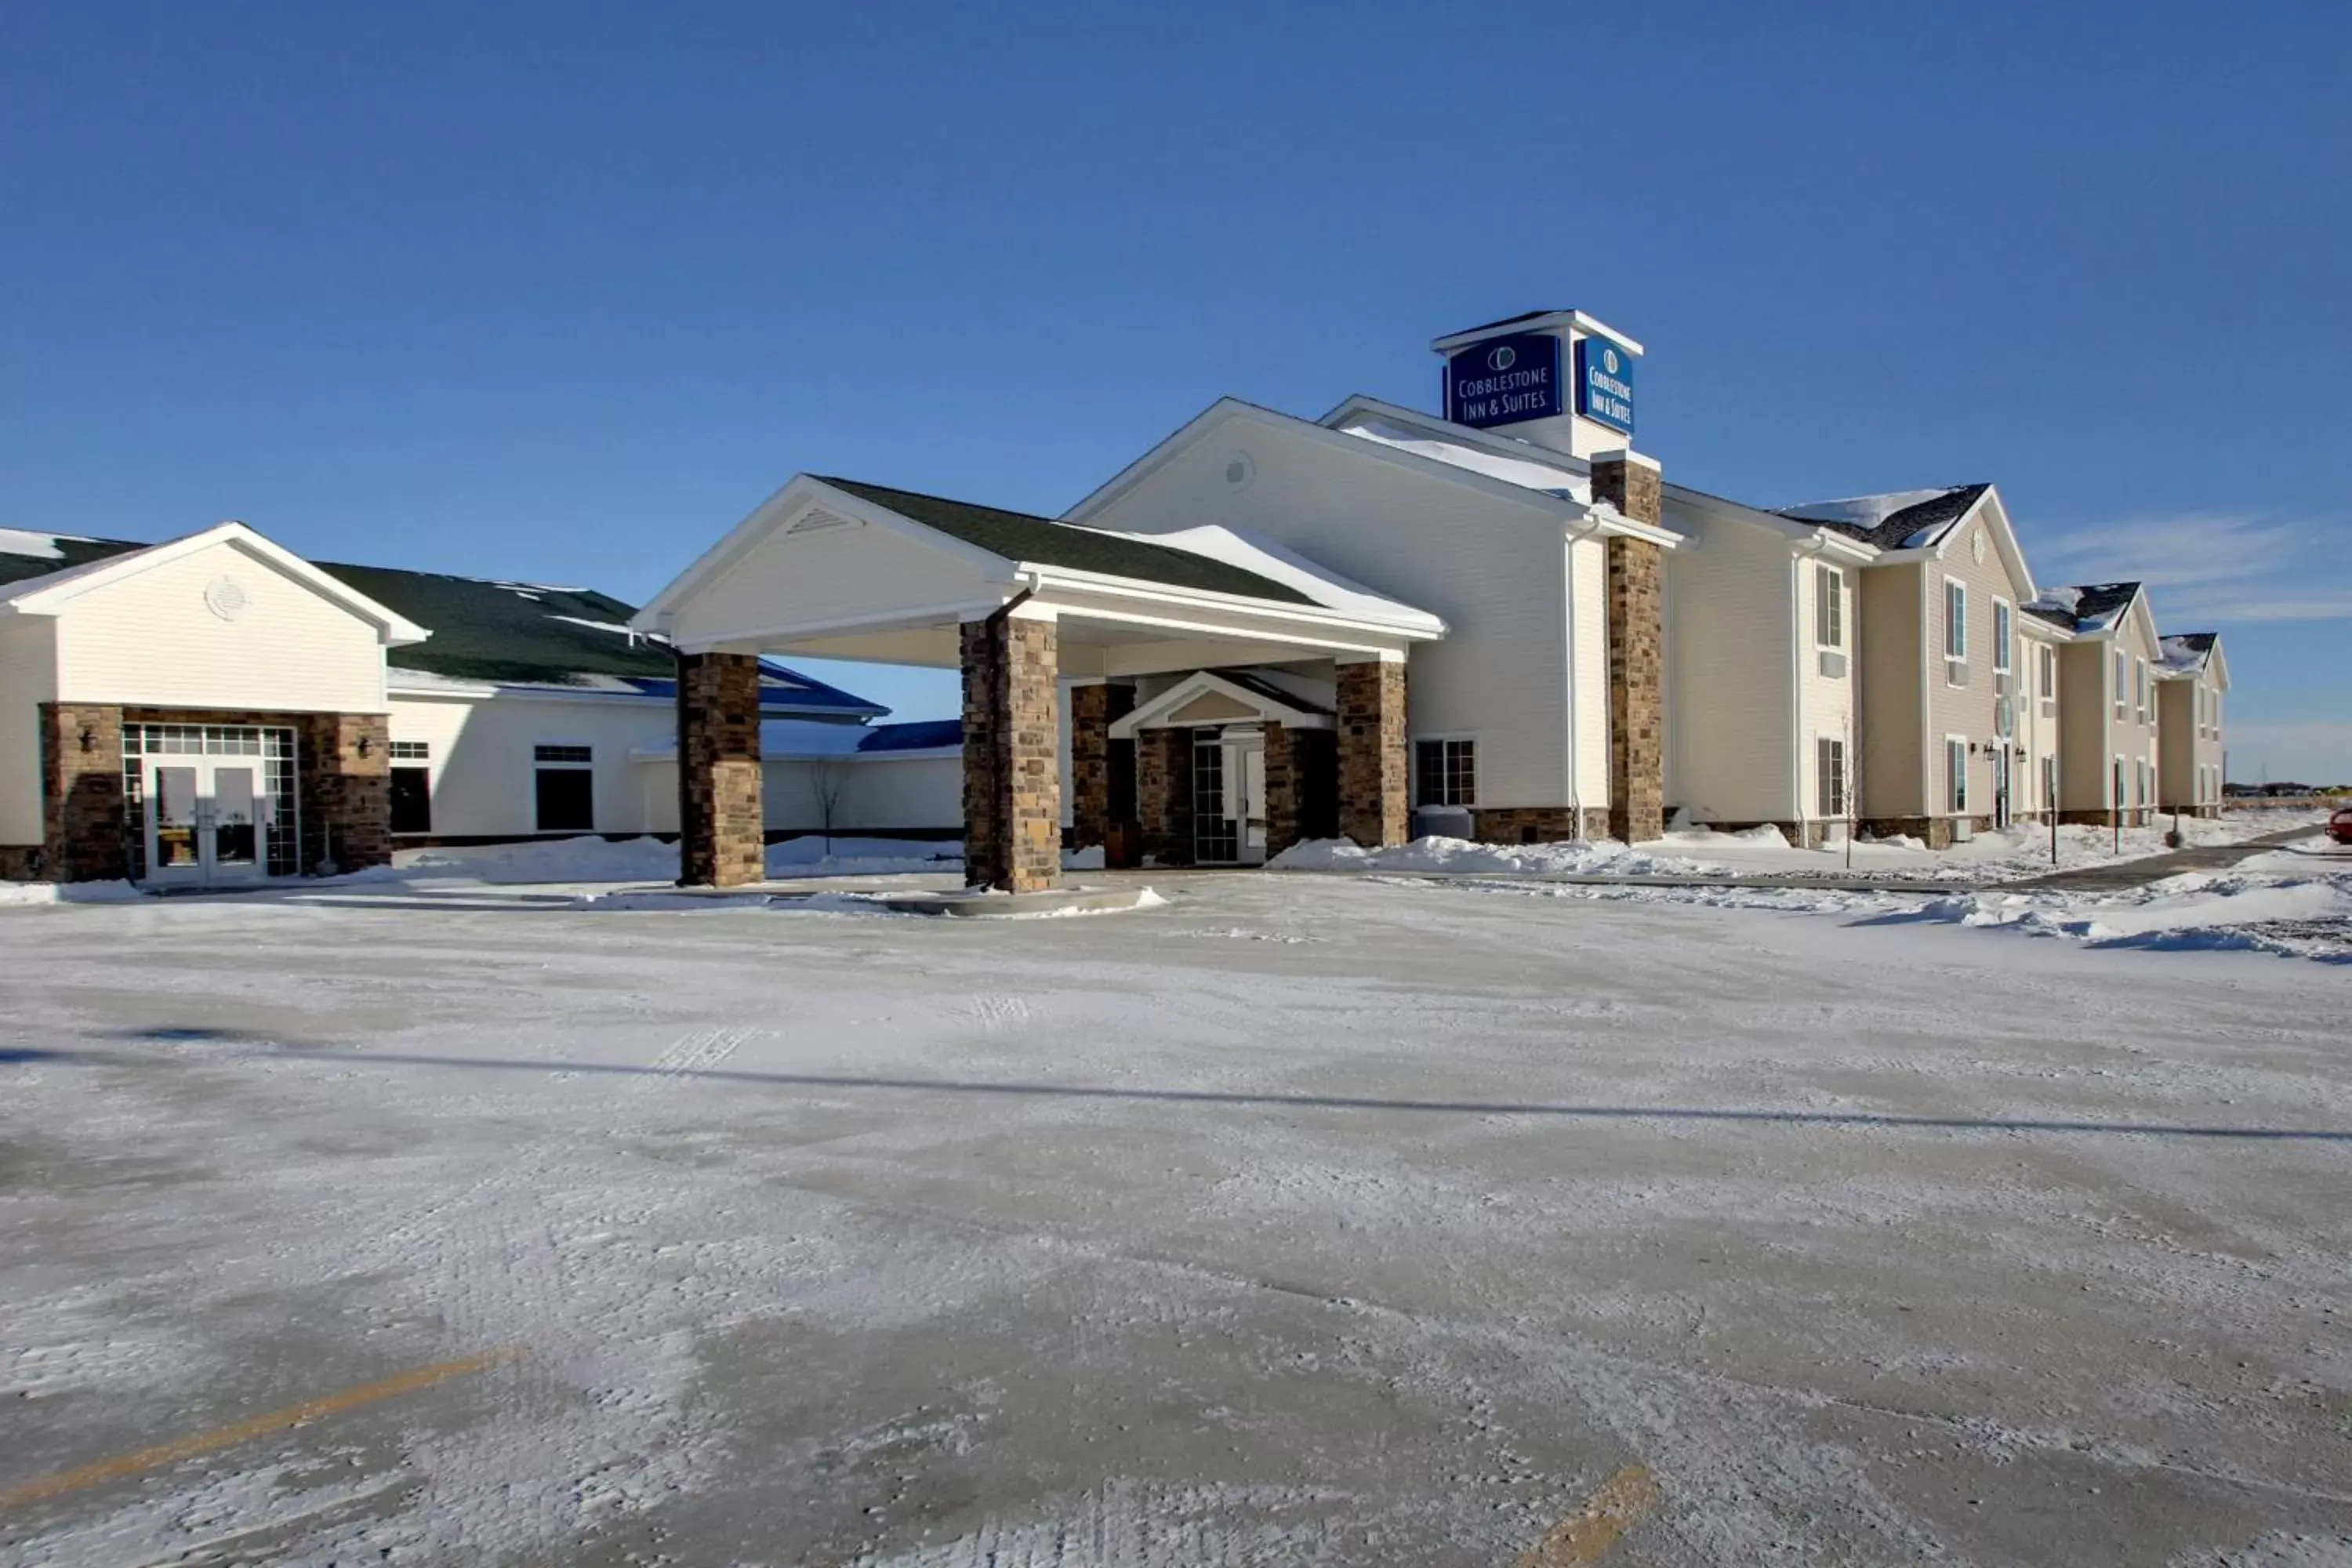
pixel 2123 683
pixel 2049 680
pixel 1956 631
pixel 1829 607
pixel 2005 633
pixel 2139 688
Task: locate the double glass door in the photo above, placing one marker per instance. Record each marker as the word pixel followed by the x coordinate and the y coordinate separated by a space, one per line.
pixel 205 820
pixel 1229 797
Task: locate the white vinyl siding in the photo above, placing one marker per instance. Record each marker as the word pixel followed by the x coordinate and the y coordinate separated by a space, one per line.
pixel 1491 565
pixel 1589 584
pixel 1445 771
pixel 150 639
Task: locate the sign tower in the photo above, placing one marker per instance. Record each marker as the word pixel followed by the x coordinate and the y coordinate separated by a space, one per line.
pixel 1555 378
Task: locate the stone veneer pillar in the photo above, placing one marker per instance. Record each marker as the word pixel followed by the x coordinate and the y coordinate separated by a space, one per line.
pixel 723 831
pixel 1093 709
pixel 344 763
pixel 1011 753
pixel 1636 486
pixel 1301 786
pixel 84 815
pixel 1372 752
pixel 1163 793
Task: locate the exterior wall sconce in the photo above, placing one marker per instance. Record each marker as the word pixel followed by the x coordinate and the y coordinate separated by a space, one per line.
pixel 366 746
pixel 89 739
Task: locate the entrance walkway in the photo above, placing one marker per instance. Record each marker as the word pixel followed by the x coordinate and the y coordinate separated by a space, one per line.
pixel 2118 874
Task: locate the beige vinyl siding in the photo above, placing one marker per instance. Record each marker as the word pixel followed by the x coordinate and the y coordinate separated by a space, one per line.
pixel 1488 565
pixel 2036 729
pixel 1967 711
pixel 2135 732
pixel 150 639
pixel 1892 756
pixel 2177 743
pixel 2086 701
pixel 1729 620
pixel 1825 704
pixel 27 680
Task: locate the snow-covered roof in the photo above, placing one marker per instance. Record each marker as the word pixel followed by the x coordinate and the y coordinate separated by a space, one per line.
pixel 2089 609
pixel 2188 652
pixel 1262 557
pixel 1895 520
pixel 1533 471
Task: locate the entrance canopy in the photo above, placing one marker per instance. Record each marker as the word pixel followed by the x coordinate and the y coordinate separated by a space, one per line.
pixel 839 569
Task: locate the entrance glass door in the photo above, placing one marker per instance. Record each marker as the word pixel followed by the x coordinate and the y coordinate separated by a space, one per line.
pixel 1228 798
pixel 206 822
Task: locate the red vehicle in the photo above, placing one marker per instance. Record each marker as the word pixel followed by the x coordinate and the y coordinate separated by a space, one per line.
pixel 2339 827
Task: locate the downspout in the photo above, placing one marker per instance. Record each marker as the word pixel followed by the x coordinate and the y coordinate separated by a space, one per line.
pixel 1577 533
pixel 1815 547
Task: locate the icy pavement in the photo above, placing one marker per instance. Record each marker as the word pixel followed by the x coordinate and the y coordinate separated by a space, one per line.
pixel 1299 1220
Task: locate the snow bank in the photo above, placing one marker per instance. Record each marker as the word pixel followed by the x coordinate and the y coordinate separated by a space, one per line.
pixel 2309 916
pixel 21 895
pixel 1438 853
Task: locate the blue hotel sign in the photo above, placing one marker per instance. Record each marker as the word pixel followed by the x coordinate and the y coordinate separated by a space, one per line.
pixel 1505 381
pixel 1604 383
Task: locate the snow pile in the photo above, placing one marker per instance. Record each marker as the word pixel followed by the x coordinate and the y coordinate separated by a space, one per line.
pixel 24 895
pixel 661 902
pixel 2309 916
pixel 591 859
pixel 1460 856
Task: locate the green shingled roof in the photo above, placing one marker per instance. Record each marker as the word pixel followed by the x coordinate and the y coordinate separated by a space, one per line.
pixel 1018 536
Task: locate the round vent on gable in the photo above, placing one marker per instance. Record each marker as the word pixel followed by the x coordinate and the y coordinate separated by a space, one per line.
pixel 224 597
pixel 1240 470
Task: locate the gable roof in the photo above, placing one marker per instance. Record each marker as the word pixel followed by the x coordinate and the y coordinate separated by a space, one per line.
pixel 1020 536
pixel 1254 695
pixel 46 593
pixel 1897 520
pixel 516 634
pixel 2189 653
pixel 2090 609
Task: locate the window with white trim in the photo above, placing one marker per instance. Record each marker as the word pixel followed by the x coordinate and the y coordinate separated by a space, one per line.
pixel 2049 680
pixel 1956 631
pixel 2123 683
pixel 1829 607
pixel 412 751
pixel 1956 775
pixel 1446 772
pixel 2004 632
pixel 563 785
pixel 1829 776
pixel 2139 688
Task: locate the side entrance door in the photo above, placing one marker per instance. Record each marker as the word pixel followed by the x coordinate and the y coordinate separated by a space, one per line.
pixel 206 825
pixel 1229 797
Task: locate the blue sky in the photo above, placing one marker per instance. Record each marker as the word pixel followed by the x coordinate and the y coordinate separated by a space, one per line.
pixel 562 291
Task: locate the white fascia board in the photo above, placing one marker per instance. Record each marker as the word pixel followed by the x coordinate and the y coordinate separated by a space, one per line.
pixel 1418 626
pixel 1226 408
pixel 1987 506
pixel 2034 625
pixel 1208 680
pixel 779 511
pixel 873 620
pixel 455 691
pixel 49 595
pixel 1548 321
pixel 863 759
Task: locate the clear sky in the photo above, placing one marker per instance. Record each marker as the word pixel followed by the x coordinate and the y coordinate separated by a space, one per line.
pixel 561 291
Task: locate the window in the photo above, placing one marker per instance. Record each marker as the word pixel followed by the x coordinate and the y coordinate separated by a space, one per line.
pixel 2004 632
pixel 1829 607
pixel 412 799
pixel 2123 681
pixel 566 789
pixel 411 751
pixel 1955 774
pixel 2217 715
pixel 1445 773
pixel 1956 631
pixel 2049 680
pixel 2139 688
pixel 1829 775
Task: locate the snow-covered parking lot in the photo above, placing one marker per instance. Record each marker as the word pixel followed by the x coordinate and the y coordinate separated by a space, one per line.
pixel 1301 1219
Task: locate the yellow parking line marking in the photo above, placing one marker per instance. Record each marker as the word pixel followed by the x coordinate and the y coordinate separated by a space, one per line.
pixel 1620 1503
pixel 238 1432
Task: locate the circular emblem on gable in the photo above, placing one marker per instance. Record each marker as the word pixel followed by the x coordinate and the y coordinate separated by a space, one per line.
pixel 1240 470
pixel 1608 361
pixel 1502 359
pixel 225 598
pixel 1977 546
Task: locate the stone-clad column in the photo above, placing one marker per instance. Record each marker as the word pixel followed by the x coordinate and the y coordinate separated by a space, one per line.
pixel 1093 709
pixel 84 813
pixel 1372 752
pixel 1163 795
pixel 1636 486
pixel 346 767
pixel 722 834
pixel 1011 753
